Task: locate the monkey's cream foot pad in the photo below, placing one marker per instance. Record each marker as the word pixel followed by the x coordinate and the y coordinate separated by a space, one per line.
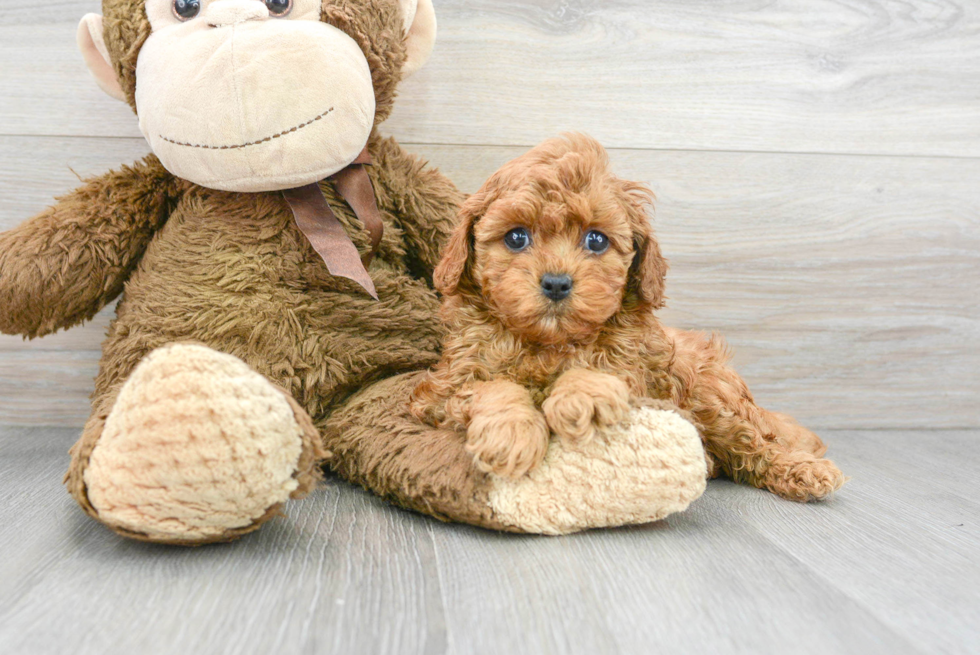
pixel 640 471
pixel 198 447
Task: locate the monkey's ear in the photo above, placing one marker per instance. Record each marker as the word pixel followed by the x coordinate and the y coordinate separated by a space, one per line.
pixel 420 33
pixel 453 269
pixel 96 54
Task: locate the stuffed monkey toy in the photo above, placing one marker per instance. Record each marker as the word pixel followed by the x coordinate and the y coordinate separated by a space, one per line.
pixel 273 258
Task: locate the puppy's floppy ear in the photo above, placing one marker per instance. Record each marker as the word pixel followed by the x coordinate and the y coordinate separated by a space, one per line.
pixel 453 269
pixel 648 272
pixel 647 277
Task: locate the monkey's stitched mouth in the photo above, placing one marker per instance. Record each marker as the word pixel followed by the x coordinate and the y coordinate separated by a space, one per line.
pixel 251 143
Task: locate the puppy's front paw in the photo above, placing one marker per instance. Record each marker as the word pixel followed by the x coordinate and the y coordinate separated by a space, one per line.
pixel 509 441
pixel 583 400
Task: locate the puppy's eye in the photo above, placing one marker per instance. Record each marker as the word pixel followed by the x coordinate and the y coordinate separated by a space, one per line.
pixel 186 9
pixel 517 239
pixel 596 242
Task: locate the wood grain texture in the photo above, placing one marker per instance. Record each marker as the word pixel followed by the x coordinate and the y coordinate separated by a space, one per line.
pixel 846 285
pixel 893 517
pixel 887 566
pixel 845 76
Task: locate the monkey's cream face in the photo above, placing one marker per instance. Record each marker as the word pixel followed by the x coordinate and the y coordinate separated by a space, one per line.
pixel 246 95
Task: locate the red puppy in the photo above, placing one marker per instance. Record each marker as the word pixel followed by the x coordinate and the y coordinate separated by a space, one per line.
pixel 550 283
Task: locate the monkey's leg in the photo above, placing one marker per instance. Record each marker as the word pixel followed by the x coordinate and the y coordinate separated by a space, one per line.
pixel 195 447
pixel 751 444
pixel 642 470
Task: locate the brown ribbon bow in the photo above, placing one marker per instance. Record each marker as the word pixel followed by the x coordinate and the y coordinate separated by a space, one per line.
pixel 326 234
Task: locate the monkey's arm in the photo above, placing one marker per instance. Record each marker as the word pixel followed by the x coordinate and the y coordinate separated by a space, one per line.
pixel 65 264
pixel 423 201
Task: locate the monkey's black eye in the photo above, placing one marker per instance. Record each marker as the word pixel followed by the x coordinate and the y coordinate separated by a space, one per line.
pixel 517 239
pixel 187 9
pixel 279 7
pixel 596 242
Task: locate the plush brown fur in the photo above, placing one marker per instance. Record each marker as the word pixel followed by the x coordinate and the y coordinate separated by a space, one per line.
pixel 378 444
pixel 64 265
pixel 579 360
pixel 232 271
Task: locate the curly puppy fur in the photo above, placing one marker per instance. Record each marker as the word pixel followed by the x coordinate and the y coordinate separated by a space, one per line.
pixel 514 359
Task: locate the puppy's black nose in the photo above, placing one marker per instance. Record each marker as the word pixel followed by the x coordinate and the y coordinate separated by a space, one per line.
pixel 556 287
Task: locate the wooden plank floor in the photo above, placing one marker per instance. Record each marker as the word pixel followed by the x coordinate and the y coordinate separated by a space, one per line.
pixel 888 566
pixel 817 168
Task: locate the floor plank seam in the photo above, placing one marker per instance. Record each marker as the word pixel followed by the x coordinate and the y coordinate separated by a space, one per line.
pixel 816 572
pixel 447 636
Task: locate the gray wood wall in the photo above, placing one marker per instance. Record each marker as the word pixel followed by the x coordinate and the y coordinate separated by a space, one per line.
pixel 817 165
